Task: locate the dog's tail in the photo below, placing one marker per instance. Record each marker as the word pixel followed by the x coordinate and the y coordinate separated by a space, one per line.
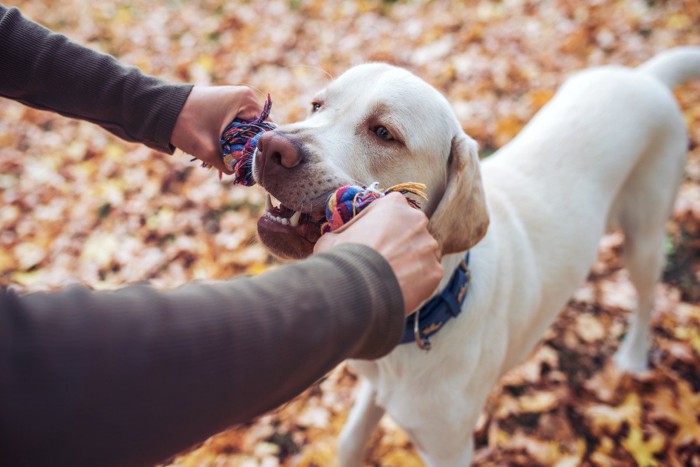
pixel 674 66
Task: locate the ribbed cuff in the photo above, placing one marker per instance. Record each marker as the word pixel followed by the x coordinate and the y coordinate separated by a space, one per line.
pixel 172 104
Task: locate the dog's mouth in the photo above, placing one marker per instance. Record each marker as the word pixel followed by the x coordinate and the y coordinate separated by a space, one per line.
pixel 289 233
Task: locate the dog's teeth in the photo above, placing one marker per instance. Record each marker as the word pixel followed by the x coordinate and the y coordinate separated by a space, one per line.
pixel 294 220
pixel 268 203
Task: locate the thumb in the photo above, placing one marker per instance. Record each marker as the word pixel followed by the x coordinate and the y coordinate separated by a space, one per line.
pixel 326 242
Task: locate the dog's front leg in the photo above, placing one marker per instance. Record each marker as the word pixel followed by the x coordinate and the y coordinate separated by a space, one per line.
pixel 441 447
pixel 361 423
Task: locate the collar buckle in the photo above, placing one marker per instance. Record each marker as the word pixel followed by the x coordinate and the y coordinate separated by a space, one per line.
pixel 463 290
pixel 463 265
pixel 422 342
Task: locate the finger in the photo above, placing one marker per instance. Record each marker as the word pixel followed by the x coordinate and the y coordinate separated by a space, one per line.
pixel 224 169
pixel 218 163
pixel 353 221
pixel 325 242
pixel 249 113
pixel 249 108
pixel 393 197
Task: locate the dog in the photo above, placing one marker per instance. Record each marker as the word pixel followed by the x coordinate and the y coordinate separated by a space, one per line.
pixel 607 151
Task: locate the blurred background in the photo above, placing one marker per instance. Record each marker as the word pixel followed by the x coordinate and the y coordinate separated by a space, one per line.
pixel 78 205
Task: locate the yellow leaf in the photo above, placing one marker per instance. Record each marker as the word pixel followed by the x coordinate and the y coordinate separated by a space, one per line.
pixel 114 152
pixel 7 262
pixel 507 127
pixel 497 437
pixel 256 268
pixel 321 456
pixel 602 455
pixel 206 63
pixel 123 15
pixel 589 328
pixel 401 458
pixel 541 401
pixel 112 190
pixel 643 450
pixel 678 21
pixel 86 168
pixel 606 419
pixel 76 150
pixel 100 249
pixel 29 254
pixel 27 279
pixel 681 409
pixel 540 97
pixel 690 335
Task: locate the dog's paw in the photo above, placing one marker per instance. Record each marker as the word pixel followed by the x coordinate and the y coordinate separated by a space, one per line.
pixel 631 362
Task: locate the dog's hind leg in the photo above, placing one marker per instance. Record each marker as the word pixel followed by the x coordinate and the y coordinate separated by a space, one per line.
pixel 361 423
pixel 464 458
pixel 443 443
pixel 644 258
pixel 643 208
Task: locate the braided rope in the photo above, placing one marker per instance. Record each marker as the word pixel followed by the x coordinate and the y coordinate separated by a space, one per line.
pixel 348 201
pixel 238 143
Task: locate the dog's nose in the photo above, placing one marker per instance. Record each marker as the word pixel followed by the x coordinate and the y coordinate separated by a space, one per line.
pixel 278 149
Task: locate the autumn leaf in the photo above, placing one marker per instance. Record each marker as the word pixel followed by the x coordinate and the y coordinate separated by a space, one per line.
pixel 643 449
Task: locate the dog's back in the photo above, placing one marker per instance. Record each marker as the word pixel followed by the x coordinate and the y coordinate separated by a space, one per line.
pixel 607 151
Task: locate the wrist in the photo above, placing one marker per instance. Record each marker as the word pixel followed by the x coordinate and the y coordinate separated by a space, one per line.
pixel 187 133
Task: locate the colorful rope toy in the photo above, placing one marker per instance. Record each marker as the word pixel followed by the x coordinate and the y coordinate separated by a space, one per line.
pixel 238 143
pixel 348 201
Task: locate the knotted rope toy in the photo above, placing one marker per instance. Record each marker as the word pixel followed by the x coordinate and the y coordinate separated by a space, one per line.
pixel 348 201
pixel 238 143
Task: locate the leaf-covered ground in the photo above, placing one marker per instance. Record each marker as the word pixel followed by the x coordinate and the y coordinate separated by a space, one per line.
pixel 80 205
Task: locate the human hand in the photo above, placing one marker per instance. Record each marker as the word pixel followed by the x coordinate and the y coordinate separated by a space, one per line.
pixel 205 115
pixel 400 234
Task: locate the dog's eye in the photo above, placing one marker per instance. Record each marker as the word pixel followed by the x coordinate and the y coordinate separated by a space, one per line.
pixel 315 106
pixel 383 133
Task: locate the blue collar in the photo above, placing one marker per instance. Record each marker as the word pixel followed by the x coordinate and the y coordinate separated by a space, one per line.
pixel 435 313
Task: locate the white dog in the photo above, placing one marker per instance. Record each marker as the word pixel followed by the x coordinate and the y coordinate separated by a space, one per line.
pixel 607 151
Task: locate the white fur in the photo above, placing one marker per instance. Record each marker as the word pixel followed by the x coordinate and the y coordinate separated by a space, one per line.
pixel 607 150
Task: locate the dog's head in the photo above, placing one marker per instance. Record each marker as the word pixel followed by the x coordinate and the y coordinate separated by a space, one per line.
pixel 375 123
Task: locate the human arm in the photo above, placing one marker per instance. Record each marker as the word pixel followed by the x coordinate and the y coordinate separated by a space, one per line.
pixel 133 376
pixel 48 71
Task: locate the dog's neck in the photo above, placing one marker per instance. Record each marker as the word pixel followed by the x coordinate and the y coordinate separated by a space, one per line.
pixel 436 312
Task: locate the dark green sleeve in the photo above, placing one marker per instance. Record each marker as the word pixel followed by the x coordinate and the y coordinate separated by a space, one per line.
pixel 133 376
pixel 45 70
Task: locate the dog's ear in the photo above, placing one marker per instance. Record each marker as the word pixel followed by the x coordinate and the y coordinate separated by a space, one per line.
pixel 461 217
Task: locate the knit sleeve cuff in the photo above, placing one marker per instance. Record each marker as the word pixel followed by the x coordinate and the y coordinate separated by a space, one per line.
pixel 171 106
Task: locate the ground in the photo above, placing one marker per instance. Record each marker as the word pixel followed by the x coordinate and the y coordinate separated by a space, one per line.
pixel 78 205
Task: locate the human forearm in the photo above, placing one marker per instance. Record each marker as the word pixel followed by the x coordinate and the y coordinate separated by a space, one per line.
pixel 46 70
pixel 135 375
